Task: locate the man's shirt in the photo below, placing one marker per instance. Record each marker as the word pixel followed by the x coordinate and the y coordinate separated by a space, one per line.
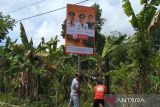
pixel 99 91
pixel 75 85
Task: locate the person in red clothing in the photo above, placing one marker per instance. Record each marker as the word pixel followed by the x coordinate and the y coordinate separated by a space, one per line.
pixel 99 92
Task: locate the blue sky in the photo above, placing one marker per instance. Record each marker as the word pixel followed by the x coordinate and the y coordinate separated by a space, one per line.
pixel 49 25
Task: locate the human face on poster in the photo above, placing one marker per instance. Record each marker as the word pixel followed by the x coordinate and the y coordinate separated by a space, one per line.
pixel 80 30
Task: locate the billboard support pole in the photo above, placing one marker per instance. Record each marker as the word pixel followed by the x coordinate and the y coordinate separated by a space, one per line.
pixel 79 62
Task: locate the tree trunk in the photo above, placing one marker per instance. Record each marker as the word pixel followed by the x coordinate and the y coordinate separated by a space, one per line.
pixel 107 80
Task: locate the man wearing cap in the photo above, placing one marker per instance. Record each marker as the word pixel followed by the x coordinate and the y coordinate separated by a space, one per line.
pixel 75 91
pixel 82 25
pixel 71 23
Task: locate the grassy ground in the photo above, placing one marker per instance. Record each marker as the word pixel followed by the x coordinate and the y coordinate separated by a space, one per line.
pixel 10 101
pixel 3 104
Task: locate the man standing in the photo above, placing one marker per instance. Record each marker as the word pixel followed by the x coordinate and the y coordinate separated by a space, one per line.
pixel 99 92
pixel 75 91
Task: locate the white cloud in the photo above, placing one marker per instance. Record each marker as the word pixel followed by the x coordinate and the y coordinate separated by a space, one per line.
pixel 116 19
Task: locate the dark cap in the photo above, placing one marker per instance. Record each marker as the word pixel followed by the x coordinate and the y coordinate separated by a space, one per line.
pixel 71 13
pixel 82 16
pixel 78 74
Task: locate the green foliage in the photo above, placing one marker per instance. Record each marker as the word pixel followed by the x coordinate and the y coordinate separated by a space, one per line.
pixel 63 29
pixel 154 77
pixel 31 44
pixel 6 24
pixel 123 78
pixel 141 47
pixel 141 21
pixel 24 36
pixel 99 20
pixel 7 42
pixel 143 1
pixel 155 2
pixel 99 37
pixel 155 82
pixel 111 45
pixel 128 8
pixel 154 30
pixel 119 55
pixel 157 60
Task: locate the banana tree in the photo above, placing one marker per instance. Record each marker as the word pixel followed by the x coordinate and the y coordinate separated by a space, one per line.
pixel 108 48
pixel 154 77
pixel 154 30
pixel 142 20
pixel 25 63
pixel 19 61
pixel 55 57
pixel 141 49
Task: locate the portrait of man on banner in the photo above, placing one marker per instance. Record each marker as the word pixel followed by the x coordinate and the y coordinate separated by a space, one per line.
pixel 71 23
pixel 81 23
pixel 90 22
